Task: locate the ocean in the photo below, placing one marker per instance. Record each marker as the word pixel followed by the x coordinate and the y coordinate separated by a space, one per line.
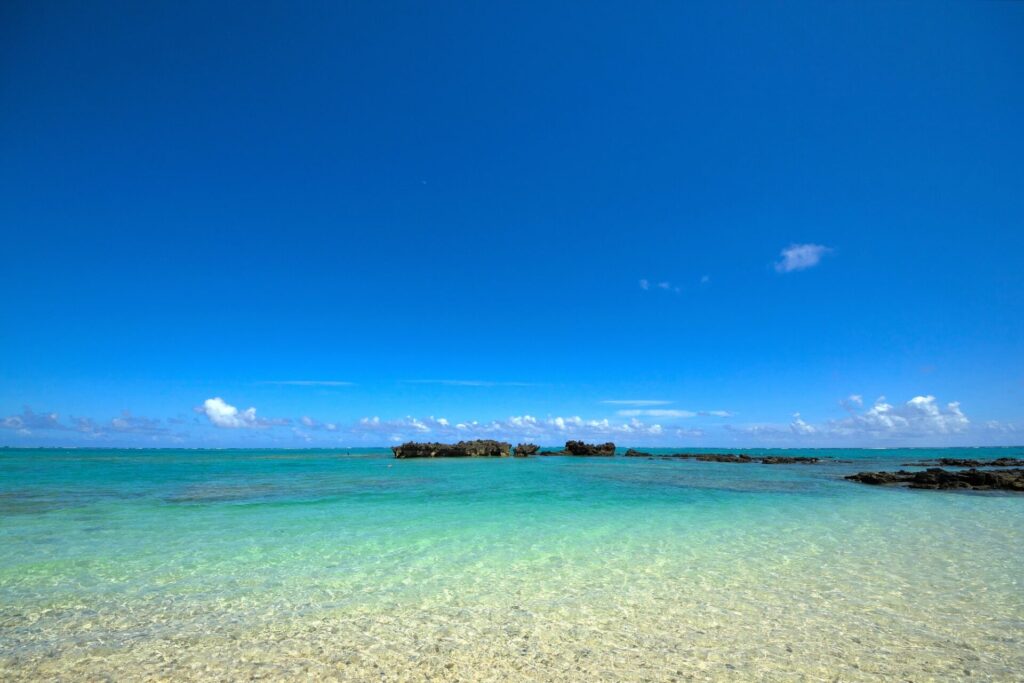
pixel 135 565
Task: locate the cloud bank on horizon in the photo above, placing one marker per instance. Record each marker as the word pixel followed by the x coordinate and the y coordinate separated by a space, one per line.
pixel 921 420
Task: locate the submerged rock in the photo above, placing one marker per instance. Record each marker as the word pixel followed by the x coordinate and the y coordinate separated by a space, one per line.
pixel 966 462
pixel 463 449
pixel 525 449
pixel 633 453
pixel 938 478
pixel 581 448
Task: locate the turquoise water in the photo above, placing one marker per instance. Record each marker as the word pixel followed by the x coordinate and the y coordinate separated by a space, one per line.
pixel 221 565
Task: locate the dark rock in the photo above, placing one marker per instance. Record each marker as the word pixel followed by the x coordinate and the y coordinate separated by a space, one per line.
pixel 580 448
pixel 787 460
pixel 966 462
pixel 710 457
pixel 463 449
pixel 726 457
pixel 633 453
pixel 525 449
pixel 938 478
pixel 734 457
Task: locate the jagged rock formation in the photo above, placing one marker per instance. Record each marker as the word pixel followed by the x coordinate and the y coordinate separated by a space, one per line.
pixel 961 462
pixel 580 448
pixel 524 450
pixel 938 478
pixel 633 453
pixel 463 449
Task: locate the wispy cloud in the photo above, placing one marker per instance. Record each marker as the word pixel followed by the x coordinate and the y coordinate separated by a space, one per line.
pixel 309 423
pixel 310 383
pixel 655 412
pixel 30 420
pixel 664 285
pixel 800 427
pixel 126 423
pixel 467 383
pixel 800 257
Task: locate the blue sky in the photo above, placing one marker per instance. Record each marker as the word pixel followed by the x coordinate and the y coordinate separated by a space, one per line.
pixel 667 224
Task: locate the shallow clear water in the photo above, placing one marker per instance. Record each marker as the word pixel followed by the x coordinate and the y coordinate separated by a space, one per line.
pixel 138 565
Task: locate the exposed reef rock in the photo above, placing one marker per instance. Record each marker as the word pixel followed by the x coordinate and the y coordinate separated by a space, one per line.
pixel 788 460
pixel 580 448
pixel 463 449
pixel 961 462
pixel 524 450
pixel 727 457
pixel 938 478
pixel 712 457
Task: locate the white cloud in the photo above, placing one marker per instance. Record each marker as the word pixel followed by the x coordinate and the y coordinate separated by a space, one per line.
pixel 222 414
pixel 920 416
pixel 800 427
pixel 800 257
pixel 656 412
pixel 716 413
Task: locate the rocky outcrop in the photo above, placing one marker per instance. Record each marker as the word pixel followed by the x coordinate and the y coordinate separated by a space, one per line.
pixel 961 462
pixel 462 449
pixel 938 478
pixel 728 457
pixel 524 450
pixel 580 448
pixel 788 460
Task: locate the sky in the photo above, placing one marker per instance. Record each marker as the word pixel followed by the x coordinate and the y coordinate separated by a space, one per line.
pixel 662 224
